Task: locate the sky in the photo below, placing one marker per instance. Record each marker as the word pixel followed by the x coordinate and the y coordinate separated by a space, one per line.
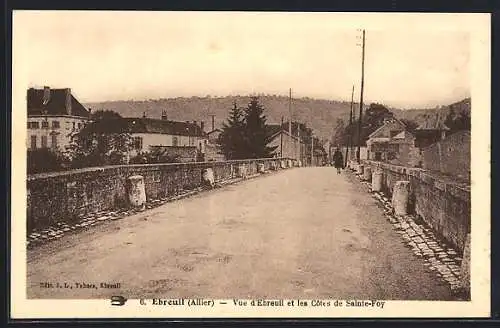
pixel 410 61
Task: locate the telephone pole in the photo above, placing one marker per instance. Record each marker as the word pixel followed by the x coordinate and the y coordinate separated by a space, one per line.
pixel 358 155
pixel 213 121
pixel 312 148
pixel 290 112
pixel 281 138
pixel 349 142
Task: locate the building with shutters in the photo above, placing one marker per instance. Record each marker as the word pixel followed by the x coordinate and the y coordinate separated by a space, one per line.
pixel 54 116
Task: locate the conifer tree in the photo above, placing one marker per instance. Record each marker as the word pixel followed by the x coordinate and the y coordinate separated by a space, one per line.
pixel 231 137
pixel 256 134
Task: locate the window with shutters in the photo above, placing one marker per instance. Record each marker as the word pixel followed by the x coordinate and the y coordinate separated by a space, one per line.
pixel 175 141
pixel 138 143
pixel 45 124
pixel 55 125
pixel 33 142
pixel 54 141
pixel 44 141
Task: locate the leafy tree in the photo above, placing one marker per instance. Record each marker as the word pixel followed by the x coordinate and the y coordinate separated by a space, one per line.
pixel 231 138
pixel 457 122
pixel 411 125
pixel 104 114
pixel 45 160
pixel 256 134
pixel 156 155
pixel 339 137
pixel 104 142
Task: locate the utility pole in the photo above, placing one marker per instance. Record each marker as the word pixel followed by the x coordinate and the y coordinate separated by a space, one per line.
pixel 213 121
pixel 312 148
pixel 358 155
pixel 349 142
pixel 281 138
pixel 290 112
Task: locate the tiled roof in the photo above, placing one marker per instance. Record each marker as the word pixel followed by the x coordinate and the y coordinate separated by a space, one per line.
pixel 56 104
pixel 148 125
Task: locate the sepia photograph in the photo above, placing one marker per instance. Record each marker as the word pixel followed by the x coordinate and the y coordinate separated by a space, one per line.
pixel 250 164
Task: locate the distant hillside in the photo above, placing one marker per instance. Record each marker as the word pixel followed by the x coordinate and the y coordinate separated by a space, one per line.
pixel 437 114
pixel 320 114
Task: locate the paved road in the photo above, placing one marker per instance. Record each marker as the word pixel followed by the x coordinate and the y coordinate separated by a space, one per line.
pixel 302 233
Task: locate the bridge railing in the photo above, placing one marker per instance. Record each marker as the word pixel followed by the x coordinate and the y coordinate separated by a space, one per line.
pixel 68 195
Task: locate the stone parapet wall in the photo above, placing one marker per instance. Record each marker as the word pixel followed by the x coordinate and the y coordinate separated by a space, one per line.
pixel 65 196
pixel 442 203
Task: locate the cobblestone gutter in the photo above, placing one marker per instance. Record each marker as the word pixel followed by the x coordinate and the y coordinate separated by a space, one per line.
pixel 440 257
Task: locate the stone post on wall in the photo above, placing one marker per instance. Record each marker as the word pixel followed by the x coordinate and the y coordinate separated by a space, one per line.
pixel 367 173
pixel 400 197
pixel 260 168
pixel 360 169
pixel 465 269
pixel 136 191
pixel 377 180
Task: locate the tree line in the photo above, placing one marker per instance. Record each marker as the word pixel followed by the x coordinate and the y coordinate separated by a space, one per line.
pixel 106 141
pixel 374 116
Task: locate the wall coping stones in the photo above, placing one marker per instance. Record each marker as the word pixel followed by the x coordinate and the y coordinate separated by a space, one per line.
pixel 99 169
pixel 453 188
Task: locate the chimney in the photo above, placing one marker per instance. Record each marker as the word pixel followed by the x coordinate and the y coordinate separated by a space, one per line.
pixel 68 101
pixel 46 95
pixel 164 115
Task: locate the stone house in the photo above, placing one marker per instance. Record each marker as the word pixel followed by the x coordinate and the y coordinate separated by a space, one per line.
pixel 183 139
pixel 54 116
pixel 393 143
pixel 429 132
pixel 287 145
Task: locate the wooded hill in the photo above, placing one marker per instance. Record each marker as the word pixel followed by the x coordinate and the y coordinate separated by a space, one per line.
pixel 319 114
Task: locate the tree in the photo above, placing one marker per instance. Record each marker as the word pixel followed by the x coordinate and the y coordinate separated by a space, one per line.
pixel 45 160
pixel 256 134
pixel 156 155
pixel 103 142
pixel 339 134
pixel 231 137
pixel 104 114
pixel 411 125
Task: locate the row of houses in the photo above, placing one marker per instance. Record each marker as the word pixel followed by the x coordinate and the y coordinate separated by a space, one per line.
pixel 55 116
pixel 430 146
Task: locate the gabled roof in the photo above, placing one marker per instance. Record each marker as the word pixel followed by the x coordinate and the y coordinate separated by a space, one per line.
pixel 214 130
pixel 147 125
pixel 402 135
pixel 392 120
pixel 276 129
pixel 56 104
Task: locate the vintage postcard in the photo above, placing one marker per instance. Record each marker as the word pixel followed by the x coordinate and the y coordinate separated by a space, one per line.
pixel 250 164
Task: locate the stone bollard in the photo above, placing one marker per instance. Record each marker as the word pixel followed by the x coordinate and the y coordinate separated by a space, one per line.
pixel 242 171
pixel 136 190
pixel 273 166
pixel 377 180
pixel 208 177
pixel 283 164
pixel 400 197
pixel 367 174
pixel 260 168
pixel 465 269
pixel 289 163
pixel 360 169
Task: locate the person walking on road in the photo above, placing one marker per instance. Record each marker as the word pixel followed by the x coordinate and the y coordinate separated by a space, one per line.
pixel 338 160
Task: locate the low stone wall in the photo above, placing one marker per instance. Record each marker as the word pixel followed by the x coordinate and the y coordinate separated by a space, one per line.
pixel 443 204
pixel 65 196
